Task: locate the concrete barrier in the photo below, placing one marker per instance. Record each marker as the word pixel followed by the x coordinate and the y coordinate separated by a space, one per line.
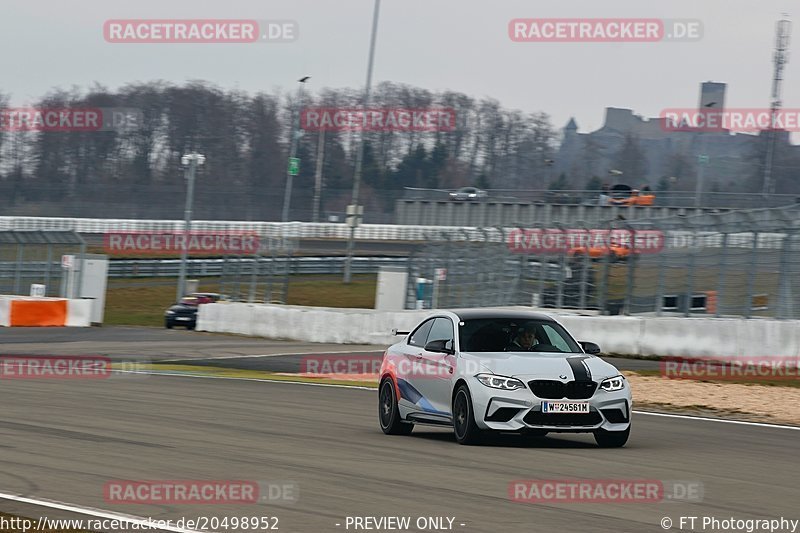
pixel 688 337
pixel 30 311
pixel 643 336
pixel 312 324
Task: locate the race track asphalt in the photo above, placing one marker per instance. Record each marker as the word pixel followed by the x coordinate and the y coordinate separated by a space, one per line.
pixel 65 439
pixel 197 348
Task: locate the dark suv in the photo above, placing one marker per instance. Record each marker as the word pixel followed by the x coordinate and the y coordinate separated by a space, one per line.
pixel 184 313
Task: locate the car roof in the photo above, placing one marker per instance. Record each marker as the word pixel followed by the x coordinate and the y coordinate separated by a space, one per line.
pixel 477 314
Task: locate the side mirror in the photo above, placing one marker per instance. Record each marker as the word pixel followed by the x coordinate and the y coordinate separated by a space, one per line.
pixel 439 346
pixel 589 347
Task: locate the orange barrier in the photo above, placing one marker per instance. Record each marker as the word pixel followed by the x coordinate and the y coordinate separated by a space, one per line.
pixel 645 199
pixel 38 313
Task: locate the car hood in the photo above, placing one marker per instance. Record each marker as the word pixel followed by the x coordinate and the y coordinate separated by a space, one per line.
pixel 542 365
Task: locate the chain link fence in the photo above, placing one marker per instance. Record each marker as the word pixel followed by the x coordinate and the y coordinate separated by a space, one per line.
pixel 262 277
pixel 742 263
pixel 35 257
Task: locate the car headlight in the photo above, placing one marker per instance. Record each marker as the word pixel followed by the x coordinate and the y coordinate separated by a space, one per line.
pixel 500 382
pixel 169 312
pixel 613 384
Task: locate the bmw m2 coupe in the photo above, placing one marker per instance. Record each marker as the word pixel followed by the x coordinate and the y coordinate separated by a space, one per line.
pixel 483 371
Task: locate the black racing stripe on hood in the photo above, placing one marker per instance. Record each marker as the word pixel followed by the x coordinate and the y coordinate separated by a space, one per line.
pixel 579 369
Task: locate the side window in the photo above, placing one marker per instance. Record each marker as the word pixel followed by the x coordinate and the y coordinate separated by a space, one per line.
pixel 419 336
pixel 442 330
pixel 556 339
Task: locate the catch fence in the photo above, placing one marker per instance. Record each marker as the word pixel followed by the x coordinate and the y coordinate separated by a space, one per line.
pixel 742 263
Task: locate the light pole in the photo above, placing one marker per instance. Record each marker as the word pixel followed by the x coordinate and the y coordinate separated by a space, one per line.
pixel 318 177
pixel 190 161
pixel 353 219
pixel 293 166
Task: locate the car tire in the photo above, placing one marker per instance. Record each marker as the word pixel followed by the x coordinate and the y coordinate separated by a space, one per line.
pixel 389 413
pixel 190 326
pixel 169 325
pixel 611 439
pixel 465 429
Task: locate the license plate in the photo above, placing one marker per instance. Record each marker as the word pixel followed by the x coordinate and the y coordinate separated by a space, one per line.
pixel 182 318
pixel 565 407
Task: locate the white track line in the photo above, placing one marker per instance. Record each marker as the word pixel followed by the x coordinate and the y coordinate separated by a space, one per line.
pixel 707 419
pixel 359 387
pixel 176 360
pixel 99 513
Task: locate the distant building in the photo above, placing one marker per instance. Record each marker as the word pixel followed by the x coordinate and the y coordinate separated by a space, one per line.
pixel 712 95
pixel 732 158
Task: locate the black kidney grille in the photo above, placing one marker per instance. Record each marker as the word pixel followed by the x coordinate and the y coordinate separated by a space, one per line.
pixel 580 390
pixel 556 390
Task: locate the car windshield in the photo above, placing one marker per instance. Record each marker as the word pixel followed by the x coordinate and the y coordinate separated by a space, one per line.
pixel 190 300
pixel 515 335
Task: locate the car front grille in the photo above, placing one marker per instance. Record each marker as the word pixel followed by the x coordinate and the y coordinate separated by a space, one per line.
pixel 556 390
pixel 538 418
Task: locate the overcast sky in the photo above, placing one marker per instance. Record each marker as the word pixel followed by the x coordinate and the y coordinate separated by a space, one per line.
pixel 461 45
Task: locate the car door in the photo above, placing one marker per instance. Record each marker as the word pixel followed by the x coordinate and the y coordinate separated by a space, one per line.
pixel 439 368
pixel 407 365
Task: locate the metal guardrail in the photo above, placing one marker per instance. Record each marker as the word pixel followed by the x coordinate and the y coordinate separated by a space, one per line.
pixel 168 268
pixel 763 220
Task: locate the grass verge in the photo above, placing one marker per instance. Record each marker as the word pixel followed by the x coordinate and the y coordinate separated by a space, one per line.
pixel 142 302
pixel 198 370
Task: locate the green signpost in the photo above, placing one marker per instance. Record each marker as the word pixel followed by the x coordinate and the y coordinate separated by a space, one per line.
pixel 294 166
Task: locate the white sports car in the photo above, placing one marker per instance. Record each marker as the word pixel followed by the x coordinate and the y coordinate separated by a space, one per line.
pixel 491 370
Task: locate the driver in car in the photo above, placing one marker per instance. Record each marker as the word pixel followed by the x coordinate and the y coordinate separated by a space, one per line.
pixel 525 339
